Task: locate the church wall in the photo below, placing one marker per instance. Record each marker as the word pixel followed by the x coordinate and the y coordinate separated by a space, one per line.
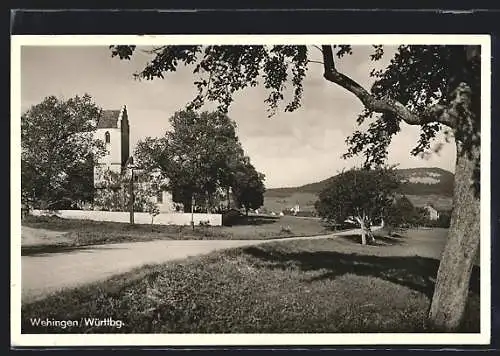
pixel 114 147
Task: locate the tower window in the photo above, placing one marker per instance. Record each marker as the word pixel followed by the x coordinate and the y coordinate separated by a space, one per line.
pixel 107 137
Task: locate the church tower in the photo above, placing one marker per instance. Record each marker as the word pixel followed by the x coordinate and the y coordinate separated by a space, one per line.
pixel 113 129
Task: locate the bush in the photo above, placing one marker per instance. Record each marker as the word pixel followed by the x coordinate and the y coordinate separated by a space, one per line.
pixel 286 230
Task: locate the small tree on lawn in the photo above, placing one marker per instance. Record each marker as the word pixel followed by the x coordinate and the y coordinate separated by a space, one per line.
pixel 360 195
pixel 152 208
pixel 401 213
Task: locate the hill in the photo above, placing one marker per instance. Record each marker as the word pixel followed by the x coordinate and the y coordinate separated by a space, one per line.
pixel 421 185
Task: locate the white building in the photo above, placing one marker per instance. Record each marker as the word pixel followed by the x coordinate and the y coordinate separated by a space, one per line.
pixel 433 213
pixel 114 130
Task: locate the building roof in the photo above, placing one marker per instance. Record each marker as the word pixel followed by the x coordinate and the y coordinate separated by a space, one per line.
pixel 109 119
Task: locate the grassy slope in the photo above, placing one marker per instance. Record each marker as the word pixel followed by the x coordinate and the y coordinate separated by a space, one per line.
pixel 87 232
pixel 328 285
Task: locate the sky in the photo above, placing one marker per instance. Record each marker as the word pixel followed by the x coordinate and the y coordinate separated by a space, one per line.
pixel 291 149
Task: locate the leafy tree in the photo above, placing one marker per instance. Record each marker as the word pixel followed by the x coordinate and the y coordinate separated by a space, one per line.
pixel 248 186
pixel 151 207
pixel 113 192
pixel 435 87
pixel 401 213
pixel 360 195
pixel 421 217
pixel 198 155
pixel 58 151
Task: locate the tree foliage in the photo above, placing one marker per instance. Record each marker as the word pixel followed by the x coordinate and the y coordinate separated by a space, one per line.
pixel 360 195
pixel 58 151
pixel 425 82
pixel 401 213
pixel 113 192
pixel 429 86
pixel 200 155
pixel 225 70
pixel 248 186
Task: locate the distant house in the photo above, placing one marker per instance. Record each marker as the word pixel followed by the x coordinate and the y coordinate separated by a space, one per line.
pixel 433 213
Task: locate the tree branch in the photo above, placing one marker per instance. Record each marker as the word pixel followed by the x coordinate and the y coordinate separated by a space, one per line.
pixel 311 61
pixel 446 115
pixel 318 48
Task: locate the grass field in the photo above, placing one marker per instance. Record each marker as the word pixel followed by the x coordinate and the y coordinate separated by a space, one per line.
pixel 55 232
pixel 328 285
pixel 276 202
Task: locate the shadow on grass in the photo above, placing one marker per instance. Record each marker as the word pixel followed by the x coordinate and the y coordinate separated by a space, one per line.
pixel 41 250
pixel 255 220
pixel 380 240
pixel 414 272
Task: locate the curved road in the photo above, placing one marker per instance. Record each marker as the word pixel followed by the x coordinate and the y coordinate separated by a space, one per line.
pixel 48 273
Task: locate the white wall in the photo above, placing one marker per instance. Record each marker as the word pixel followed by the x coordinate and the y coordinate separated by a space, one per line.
pixel 139 218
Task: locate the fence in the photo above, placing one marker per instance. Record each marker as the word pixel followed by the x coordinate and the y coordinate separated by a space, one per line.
pixel 139 218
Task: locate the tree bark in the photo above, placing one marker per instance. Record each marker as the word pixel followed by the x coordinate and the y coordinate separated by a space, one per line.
pixel 369 232
pixel 363 230
pixel 452 284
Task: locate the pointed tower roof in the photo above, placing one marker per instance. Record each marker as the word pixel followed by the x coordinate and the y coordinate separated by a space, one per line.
pixel 109 119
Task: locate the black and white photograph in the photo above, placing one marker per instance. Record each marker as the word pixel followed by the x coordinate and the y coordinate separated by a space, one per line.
pixel 225 190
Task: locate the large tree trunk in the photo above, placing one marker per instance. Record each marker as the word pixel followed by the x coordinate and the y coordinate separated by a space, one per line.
pixel 363 235
pixel 452 284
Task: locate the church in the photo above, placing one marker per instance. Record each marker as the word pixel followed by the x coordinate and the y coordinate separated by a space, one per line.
pixel 113 128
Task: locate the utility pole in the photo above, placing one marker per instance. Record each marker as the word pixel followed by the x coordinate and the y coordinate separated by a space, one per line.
pixel 192 211
pixel 130 165
pixel 131 193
